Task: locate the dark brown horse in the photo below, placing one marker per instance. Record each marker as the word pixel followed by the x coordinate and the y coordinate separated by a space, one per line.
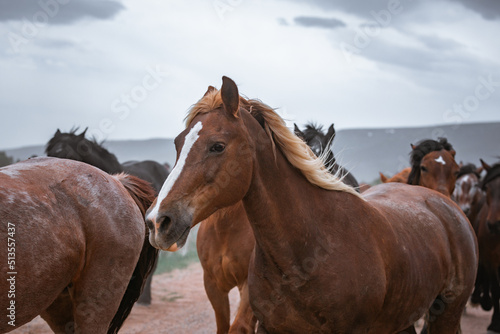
pixel 326 259
pixel 488 235
pixel 78 248
pixel 433 166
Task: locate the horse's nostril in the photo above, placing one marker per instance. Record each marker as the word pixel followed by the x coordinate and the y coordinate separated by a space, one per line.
pixel 149 224
pixel 163 222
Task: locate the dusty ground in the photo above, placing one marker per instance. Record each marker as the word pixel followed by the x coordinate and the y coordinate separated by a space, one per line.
pixel 181 306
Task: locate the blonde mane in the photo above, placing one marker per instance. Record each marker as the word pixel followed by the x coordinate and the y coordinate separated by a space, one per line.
pixel 295 150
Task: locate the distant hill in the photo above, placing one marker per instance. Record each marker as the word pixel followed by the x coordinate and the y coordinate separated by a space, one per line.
pixel 363 151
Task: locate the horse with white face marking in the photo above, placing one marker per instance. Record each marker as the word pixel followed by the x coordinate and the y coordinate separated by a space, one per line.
pixel 433 166
pixel 326 258
pixel 468 193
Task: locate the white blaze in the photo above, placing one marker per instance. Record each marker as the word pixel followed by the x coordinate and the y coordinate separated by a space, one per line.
pixel 189 141
pixel 440 160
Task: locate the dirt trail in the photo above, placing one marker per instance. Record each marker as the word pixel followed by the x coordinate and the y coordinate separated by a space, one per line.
pixel 180 306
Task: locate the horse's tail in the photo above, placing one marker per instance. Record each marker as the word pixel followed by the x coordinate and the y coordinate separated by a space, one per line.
pixel 143 195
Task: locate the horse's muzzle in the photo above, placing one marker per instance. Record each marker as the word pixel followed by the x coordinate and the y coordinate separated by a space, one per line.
pixel 169 230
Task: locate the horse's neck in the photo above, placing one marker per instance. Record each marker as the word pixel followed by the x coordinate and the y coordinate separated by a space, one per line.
pixel 280 205
pixel 105 161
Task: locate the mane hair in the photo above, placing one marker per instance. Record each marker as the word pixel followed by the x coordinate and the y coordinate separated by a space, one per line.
pixel 420 151
pixel 295 150
pixel 468 169
pixel 493 173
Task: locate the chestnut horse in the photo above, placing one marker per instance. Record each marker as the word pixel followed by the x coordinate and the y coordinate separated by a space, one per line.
pixel 325 259
pixel 433 166
pixel 488 235
pixel 225 243
pixel 78 246
pixel 76 147
pixel 401 177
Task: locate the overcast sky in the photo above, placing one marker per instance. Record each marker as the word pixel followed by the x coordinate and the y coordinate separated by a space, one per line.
pixel 131 69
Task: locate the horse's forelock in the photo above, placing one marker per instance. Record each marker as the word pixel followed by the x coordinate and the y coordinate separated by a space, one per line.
pixel 423 148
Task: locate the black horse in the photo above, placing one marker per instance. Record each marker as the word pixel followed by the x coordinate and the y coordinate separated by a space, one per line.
pixel 76 147
pixel 320 143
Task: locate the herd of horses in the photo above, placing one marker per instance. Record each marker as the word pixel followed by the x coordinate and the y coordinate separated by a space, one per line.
pixel 280 220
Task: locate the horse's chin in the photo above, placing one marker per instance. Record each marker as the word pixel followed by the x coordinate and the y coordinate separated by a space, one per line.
pixel 169 246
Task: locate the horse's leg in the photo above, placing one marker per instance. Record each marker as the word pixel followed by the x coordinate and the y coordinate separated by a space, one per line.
pixel 478 287
pixel 98 291
pixel 245 319
pixel 495 296
pixel 145 297
pixel 445 314
pixel 486 302
pixel 220 303
pixel 59 315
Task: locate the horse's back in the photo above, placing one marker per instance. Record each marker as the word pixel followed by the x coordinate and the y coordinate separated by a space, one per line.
pixel 429 225
pixel 67 216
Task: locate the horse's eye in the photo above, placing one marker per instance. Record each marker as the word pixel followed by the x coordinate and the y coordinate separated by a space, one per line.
pixel 218 148
pixel 423 168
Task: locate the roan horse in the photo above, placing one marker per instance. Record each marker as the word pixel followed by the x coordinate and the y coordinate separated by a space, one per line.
pixel 433 166
pixel 325 259
pixel 488 235
pixel 467 193
pixel 77 147
pixel 78 248
pixel 225 243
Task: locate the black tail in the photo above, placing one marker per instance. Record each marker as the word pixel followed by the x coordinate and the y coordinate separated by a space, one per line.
pixel 143 195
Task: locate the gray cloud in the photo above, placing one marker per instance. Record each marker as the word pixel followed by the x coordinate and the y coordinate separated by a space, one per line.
pixel 489 9
pixel 360 7
pixel 57 11
pixel 438 43
pixel 52 43
pixel 319 22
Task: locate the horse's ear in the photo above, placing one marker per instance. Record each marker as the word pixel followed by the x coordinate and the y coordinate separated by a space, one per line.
pixel 485 165
pixel 461 164
pixel 413 146
pixel 230 95
pixel 330 135
pixel 383 178
pixel 298 132
pixel 58 133
pixel 209 90
pixel 82 135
